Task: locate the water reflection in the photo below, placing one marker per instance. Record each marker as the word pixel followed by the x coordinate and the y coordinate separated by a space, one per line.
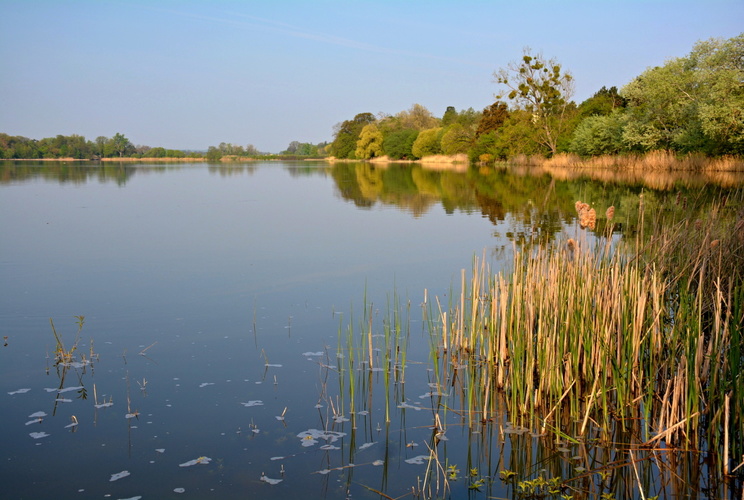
pixel 240 276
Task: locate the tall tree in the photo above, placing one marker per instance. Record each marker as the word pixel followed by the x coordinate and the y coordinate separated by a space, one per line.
pixel 369 144
pixel 542 88
pixel 347 135
pixel 691 103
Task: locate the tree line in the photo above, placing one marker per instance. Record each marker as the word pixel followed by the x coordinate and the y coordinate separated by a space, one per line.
pixel 77 147
pixel 690 104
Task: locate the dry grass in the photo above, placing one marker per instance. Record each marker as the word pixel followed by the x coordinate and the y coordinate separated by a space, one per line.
pixel 653 160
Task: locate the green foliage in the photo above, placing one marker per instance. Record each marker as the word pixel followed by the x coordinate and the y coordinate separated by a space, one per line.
pixel 398 145
pixel 213 154
pixel 347 135
pixel 456 139
pixel 450 116
pixel 428 142
pixel 692 103
pixel 602 103
pixel 369 144
pixel 599 135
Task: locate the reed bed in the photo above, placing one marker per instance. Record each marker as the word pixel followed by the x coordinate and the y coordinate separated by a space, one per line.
pixel 647 337
pixel 653 160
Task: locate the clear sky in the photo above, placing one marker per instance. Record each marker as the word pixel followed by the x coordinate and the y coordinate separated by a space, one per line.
pixel 190 74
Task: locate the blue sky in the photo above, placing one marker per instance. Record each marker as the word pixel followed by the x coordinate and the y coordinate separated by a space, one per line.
pixel 190 74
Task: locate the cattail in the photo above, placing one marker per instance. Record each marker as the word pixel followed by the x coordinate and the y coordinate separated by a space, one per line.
pixel 591 219
pixel 610 212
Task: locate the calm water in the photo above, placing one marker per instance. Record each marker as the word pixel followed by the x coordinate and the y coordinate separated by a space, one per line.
pixel 215 301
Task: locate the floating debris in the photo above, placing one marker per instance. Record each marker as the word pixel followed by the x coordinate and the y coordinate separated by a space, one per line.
pixel 366 445
pixel 418 460
pixel 274 366
pixel 276 458
pixel 256 402
pixel 410 406
pixel 38 414
pixel 179 490
pixel 307 354
pixel 432 394
pixel 73 423
pixel 340 419
pixel 38 435
pixel 266 479
pixel 200 460
pixel 131 415
pixel 19 391
pixel 119 475
pixel 330 447
pixel 378 462
pixel 104 405
pixel 63 400
pixel 132 498
pixel 68 389
pixel 160 450
pixel 204 384
pixel 311 436
pixel 34 421
pixel 323 472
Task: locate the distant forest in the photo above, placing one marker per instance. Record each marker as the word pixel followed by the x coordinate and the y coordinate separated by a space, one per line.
pixel 691 104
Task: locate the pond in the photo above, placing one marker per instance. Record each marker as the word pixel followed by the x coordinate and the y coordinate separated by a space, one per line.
pixel 260 330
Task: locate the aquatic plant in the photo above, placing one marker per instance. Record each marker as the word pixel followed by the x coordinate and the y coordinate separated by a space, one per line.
pixel 650 333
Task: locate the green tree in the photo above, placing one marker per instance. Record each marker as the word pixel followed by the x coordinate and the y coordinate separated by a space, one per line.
pixel 213 154
pixel 542 88
pixel 449 117
pixel 599 135
pixel 428 142
pixel 398 145
pixel 346 135
pixel 602 103
pixel 456 139
pixel 119 146
pixel 690 103
pixel 369 144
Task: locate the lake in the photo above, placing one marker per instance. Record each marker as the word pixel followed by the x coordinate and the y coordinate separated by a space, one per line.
pixel 222 354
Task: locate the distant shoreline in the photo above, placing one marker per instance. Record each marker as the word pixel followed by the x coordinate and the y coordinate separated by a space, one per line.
pixel 123 159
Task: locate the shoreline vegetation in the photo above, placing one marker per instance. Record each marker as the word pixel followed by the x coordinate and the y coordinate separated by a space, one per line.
pixel 657 161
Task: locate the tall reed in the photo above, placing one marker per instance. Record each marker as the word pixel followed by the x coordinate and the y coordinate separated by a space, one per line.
pixel 649 333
